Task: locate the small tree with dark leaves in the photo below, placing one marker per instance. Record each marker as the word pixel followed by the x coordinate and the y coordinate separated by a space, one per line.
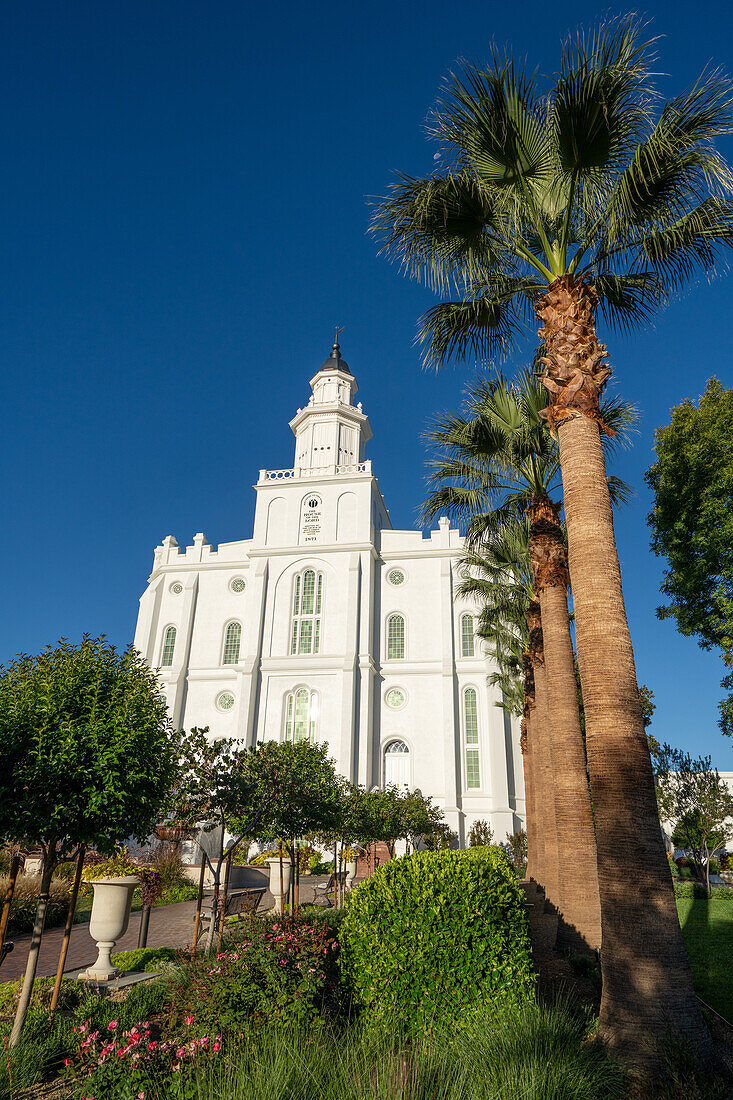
pixel 88 759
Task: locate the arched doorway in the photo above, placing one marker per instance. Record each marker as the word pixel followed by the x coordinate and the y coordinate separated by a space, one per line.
pixel 396 764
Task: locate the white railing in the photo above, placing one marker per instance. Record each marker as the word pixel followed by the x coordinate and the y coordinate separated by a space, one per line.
pixel 316 471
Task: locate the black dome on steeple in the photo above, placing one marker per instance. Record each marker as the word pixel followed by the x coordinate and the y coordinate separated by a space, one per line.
pixel 335 361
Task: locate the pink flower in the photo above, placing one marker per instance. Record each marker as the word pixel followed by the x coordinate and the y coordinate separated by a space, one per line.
pixel 141 1096
pixel 180 1052
pixel 189 1020
pixel 111 1026
pixel 216 1048
pixel 67 1061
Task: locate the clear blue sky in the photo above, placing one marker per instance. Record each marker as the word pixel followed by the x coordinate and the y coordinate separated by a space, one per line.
pixel 185 202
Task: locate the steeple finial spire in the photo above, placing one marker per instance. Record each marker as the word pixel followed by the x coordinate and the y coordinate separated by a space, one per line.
pixel 336 349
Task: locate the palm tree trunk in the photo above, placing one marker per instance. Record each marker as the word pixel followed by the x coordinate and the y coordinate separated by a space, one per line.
pixel 530 820
pixel 647 984
pixel 577 899
pixel 535 840
pixel 546 802
pixel 646 973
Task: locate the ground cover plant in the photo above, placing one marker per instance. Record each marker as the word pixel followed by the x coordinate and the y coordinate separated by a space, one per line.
pixel 435 935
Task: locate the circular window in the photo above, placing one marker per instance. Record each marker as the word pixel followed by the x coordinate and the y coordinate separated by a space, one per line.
pixel 177 588
pixel 396 576
pixel 237 584
pixel 395 698
pixel 225 701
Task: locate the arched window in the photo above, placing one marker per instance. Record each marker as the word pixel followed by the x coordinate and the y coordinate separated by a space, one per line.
pixel 169 644
pixel 467 642
pixel 232 639
pixel 395 638
pixel 301 715
pixel 470 733
pixel 305 631
pixel 396 764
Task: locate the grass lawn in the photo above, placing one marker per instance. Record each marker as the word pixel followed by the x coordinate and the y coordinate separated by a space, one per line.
pixel 707 928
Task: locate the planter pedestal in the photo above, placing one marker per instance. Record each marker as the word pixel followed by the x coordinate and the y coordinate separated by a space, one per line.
pixel 350 866
pixel 109 920
pixel 274 865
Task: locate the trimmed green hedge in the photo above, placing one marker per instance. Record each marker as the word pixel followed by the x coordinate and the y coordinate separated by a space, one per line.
pixel 437 934
pixel 144 958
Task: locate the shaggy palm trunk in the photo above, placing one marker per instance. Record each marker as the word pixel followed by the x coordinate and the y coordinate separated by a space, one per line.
pixel 647 985
pixel 577 899
pixel 544 800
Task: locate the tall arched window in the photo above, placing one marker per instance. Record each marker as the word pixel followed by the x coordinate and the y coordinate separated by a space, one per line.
pixel 232 640
pixel 467 642
pixel 470 732
pixel 301 715
pixel 305 631
pixel 395 638
pixel 169 644
pixel 396 764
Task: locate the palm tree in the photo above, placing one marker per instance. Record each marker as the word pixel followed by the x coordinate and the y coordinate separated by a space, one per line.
pixel 590 193
pixel 495 463
pixel 497 576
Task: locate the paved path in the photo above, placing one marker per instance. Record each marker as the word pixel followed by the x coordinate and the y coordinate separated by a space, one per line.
pixel 170 926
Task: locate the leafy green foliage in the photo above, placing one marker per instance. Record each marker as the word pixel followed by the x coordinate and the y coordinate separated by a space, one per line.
pixel 144 958
pixel 434 936
pixel 25 900
pixel 516 845
pixel 480 835
pixel 88 756
pixel 587 173
pixel 692 522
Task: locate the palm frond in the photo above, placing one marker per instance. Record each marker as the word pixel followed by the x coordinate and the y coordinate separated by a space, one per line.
pixel 481 327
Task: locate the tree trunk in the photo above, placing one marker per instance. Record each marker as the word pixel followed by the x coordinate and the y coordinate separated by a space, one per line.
pixel 26 992
pixel 546 817
pixel 647 984
pixel 534 807
pixel 8 899
pixel 578 899
pixel 528 763
pixel 199 903
pixel 67 930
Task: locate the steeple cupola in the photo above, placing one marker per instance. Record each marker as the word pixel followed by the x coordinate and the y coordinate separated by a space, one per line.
pixel 331 431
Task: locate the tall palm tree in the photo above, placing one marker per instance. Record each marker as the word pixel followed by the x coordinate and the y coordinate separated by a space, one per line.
pixel 497 575
pixel 498 461
pixel 589 193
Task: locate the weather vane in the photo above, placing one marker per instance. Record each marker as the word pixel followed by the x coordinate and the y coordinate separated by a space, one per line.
pixel 338 333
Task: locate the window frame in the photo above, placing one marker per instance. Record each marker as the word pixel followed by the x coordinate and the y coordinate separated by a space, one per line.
pixel 471 746
pixel 164 645
pixel 461 619
pixel 227 627
pixel 314 618
pixel 395 615
pixel 312 714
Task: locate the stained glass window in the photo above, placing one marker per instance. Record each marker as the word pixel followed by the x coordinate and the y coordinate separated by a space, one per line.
pixel 232 642
pixel 225 701
pixel 301 715
pixel 169 644
pixel 238 585
pixel 305 630
pixel 395 638
pixel 395 576
pixel 395 698
pixel 467 641
pixel 470 722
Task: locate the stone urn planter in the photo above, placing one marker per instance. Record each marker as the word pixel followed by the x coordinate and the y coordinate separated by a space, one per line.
pixel 350 867
pixel 109 920
pixel 274 865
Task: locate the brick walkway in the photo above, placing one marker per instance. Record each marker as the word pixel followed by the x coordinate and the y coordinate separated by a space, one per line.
pixel 170 926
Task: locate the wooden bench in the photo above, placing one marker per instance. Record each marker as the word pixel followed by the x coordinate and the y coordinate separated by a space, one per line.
pixel 238 903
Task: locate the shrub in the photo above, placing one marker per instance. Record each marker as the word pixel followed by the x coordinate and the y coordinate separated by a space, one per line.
pixel 435 935
pixel 187 891
pixel 480 835
pixel 25 899
pixel 145 958
pixel 166 860
pixel 276 972
pixel 516 845
pixel 72 994
pixel 697 890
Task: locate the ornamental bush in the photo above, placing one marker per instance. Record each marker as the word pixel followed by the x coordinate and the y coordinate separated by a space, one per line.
pixel 436 935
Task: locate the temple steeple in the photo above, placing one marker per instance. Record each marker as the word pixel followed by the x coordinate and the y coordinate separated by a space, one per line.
pixel 331 431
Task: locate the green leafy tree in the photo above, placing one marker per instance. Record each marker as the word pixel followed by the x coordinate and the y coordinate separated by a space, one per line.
pixel 692 523
pixel 88 759
pixel 555 199
pixel 221 788
pixel 692 795
pixel 420 816
pixel 481 834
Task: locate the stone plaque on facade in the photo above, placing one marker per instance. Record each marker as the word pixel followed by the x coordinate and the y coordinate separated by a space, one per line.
pixel 310 519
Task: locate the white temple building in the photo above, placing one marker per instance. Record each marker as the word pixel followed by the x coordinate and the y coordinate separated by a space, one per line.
pixel 328 624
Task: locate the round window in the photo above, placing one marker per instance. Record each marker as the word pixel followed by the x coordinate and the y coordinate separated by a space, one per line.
pixel 237 584
pixel 395 698
pixel 177 588
pixel 225 701
pixel 396 576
